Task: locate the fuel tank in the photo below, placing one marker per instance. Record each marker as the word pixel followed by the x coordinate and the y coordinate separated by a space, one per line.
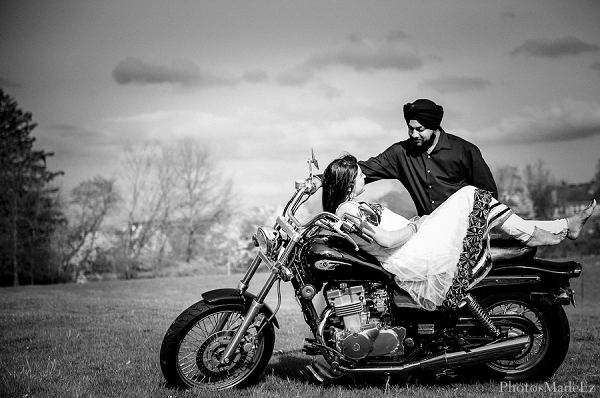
pixel 331 257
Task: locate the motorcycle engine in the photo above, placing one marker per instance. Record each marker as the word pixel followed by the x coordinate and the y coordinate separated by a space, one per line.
pixel 360 322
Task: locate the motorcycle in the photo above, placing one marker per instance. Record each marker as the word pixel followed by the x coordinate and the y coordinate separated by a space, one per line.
pixel 510 326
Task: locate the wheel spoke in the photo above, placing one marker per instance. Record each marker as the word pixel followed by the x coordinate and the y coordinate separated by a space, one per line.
pixel 200 351
pixel 537 345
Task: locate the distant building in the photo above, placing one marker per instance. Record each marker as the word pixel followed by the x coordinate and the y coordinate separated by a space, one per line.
pixel 568 199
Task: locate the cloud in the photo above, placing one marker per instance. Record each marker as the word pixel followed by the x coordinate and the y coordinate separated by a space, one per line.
pixel 329 91
pixel 397 35
pixel 79 151
pixel 72 141
pixel 9 83
pixel 255 133
pixel 566 46
pixel 595 66
pixel 255 76
pixel 455 84
pixel 254 145
pixel 368 55
pixel 564 121
pixel 362 55
pixel 298 76
pixel 184 72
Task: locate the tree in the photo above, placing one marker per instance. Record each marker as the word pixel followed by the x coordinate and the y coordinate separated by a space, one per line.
pixel 596 181
pixel 174 193
pixel 202 197
pixel 90 203
pixel 540 184
pixel 513 192
pixel 27 203
pixel 146 185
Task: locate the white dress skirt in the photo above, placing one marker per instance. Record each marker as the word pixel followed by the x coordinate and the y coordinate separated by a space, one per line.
pixel 449 252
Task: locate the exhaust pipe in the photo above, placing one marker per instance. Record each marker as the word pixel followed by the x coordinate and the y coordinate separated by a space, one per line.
pixel 501 349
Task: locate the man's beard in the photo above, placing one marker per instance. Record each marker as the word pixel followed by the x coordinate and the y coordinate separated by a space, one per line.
pixel 422 145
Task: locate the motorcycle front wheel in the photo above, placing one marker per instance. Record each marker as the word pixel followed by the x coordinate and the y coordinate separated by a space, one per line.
pixel 192 348
pixel 546 350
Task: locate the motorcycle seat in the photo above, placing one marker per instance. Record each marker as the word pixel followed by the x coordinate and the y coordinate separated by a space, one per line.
pixel 511 251
pixel 539 266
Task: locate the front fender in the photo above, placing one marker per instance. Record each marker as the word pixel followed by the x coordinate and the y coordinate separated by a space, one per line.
pixel 233 296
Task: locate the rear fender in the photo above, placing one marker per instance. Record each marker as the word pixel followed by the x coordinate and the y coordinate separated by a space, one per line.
pixel 233 296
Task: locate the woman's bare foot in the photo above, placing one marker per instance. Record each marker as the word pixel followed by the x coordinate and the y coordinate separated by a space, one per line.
pixel 541 237
pixel 576 222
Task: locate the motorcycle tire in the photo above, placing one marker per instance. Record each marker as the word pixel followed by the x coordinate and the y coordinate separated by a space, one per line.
pixel 546 351
pixel 192 347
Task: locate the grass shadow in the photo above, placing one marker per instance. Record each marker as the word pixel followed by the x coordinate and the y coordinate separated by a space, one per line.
pixel 288 366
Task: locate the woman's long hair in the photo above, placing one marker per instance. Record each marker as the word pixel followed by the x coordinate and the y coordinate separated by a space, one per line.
pixel 338 181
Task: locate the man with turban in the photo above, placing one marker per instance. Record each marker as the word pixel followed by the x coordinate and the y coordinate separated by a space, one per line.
pixel 431 163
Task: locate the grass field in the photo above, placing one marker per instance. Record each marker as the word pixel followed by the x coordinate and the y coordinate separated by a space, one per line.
pixel 103 340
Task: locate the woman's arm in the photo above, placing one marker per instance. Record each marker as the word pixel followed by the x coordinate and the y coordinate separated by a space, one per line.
pixel 393 238
pixel 385 238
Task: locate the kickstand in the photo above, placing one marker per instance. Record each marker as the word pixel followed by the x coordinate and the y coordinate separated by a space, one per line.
pixel 387 384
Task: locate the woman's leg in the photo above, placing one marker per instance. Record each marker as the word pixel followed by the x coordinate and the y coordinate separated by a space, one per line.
pixel 530 232
pixel 575 223
pixel 542 232
pixel 523 230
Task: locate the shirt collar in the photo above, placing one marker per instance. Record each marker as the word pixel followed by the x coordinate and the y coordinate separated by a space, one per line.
pixel 443 142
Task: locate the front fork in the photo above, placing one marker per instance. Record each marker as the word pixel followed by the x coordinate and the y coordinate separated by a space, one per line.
pixel 277 272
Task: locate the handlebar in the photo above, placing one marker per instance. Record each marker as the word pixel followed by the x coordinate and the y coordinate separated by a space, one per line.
pixel 344 226
pixel 351 228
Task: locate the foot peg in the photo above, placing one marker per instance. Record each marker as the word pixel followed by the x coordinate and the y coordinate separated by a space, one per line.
pixel 318 373
pixel 309 347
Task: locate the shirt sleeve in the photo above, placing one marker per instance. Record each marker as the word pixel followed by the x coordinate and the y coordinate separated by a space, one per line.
pixel 480 174
pixel 381 167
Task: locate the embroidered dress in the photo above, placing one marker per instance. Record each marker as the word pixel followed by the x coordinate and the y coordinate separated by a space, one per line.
pixel 450 251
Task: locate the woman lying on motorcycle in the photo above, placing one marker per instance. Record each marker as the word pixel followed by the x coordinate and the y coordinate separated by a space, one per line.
pixel 436 257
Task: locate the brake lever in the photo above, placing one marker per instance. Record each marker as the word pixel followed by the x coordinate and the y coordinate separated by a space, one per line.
pixel 353 228
pixel 339 228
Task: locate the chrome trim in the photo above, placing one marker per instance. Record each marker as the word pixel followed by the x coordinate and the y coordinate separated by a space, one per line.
pixel 266 260
pixel 288 229
pixel 508 280
pixel 500 349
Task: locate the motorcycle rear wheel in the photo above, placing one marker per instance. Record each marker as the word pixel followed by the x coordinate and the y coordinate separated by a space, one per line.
pixel 546 351
pixel 194 343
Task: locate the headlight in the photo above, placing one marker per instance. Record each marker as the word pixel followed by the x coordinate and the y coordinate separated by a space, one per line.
pixel 267 239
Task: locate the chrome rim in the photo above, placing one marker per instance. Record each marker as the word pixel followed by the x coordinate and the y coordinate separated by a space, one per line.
pixel 538 343
pixel 200 351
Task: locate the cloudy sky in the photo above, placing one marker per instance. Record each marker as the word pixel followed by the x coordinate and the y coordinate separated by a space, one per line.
pixel 263 82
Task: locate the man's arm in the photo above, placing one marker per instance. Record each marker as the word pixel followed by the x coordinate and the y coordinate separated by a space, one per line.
pixel 480 173
pixel 381 167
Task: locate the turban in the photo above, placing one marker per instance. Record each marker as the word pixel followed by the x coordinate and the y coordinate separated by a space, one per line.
pixel 424 111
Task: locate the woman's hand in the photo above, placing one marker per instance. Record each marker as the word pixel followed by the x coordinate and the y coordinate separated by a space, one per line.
pixel 383 237
pixel 369 229
pixel 418 220
pixel 361 223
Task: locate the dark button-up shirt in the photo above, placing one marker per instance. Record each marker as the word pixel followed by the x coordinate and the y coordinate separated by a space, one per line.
pixel 431 178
